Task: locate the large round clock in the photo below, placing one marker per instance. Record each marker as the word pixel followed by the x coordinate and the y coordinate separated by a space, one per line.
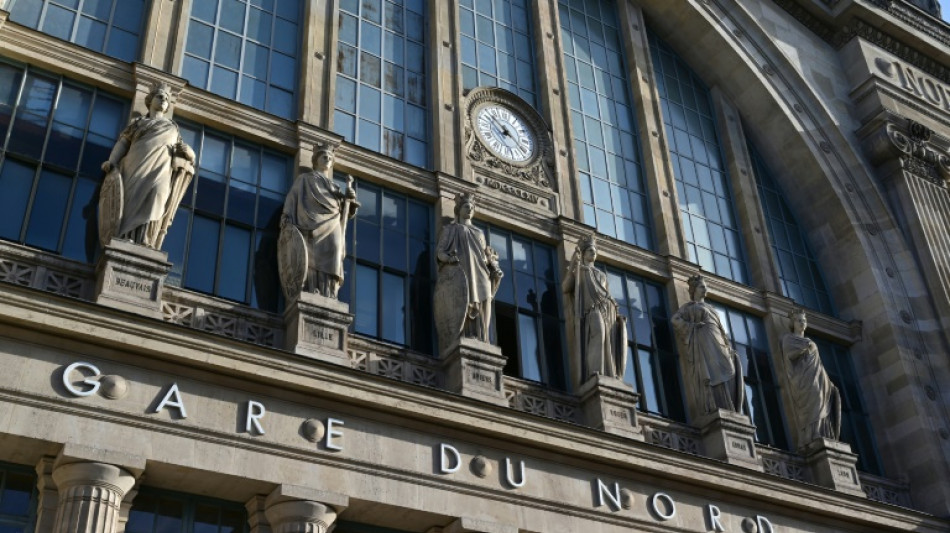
pixel 505 132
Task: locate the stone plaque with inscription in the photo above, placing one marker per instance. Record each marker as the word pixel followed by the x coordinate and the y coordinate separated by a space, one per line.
pixel 832 465
pixel 473 368
pixel 610 404
pixel 730 437
pixel 317 327
pixel 130 277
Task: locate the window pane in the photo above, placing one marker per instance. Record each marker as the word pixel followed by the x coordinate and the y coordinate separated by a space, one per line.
pixel 46 220
pixel 16 182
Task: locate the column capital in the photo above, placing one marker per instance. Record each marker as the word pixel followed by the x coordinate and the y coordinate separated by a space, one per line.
pixel 295 509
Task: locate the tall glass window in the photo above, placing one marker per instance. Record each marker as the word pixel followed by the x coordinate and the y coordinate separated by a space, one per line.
pixel 762 402
pixel 381 78
pixel 54 135
pixel 705 196
pixel 112 27
pixel 246 51
pixel 605 137
pixel 498 47
pixel 17 499
pixel 652 367
pixel 224 238
pixel 798 271
pixel 855 420
pixel 389 268
pixel 159 512
pixel 528 323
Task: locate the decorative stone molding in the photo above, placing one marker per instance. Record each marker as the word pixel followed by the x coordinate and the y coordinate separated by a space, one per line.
pixel 28 267
pixel 317 327
pixel 832 465
pixel 470 525
pixel 666 433
pixel 473 368
pixel 541 401
pixel 918 150
pixel 131 277
pixel 207 313
pixel 294 509
pixel 537 170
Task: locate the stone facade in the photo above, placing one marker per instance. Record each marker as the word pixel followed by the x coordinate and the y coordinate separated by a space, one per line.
pixel 850 102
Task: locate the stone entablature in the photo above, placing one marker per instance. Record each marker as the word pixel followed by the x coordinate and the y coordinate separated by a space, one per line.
pixel 419 454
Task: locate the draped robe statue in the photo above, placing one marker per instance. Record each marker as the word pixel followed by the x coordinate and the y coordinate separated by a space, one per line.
pixel 711 368
pixel 600 331
pixel 467 281
pixel 312 243
pixel 815 398
pixel 147 174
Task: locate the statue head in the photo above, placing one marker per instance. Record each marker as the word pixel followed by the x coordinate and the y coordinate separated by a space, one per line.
pixel 697 287
pixel 464 206
pixel 799 320
pixel 588 248
pixel 163 93
pixel 322 159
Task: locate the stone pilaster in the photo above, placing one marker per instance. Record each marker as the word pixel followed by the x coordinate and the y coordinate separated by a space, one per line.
pixel 130 277
pixel 611 405
pixel 47 495
pixel 474 369
pixel 90 496
pixel 316 327
pixel 730 437
pixel 832 465
pixel 293 509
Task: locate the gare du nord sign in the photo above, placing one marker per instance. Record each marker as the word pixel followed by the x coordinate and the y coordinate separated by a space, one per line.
pixel 83 379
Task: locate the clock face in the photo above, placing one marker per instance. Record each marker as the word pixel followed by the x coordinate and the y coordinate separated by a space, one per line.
pixel 505 133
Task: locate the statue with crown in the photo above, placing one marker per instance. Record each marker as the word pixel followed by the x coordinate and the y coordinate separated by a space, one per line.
pixel 147 175
pixel 468 279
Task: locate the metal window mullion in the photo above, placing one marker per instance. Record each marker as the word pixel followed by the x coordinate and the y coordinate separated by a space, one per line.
pixel 75 29
pixel 14 110
pixel 75 181
pixel 244 39
pixel 40 161
pixel 109 24
pixel 223 222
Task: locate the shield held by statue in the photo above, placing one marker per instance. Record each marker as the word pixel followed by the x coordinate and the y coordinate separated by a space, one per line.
pixel 111 201
pixel 291 260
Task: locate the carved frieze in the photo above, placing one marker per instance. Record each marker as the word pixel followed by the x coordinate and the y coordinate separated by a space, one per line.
pixel 506 136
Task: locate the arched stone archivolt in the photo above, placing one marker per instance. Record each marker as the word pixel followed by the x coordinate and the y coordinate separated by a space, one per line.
pixel 807 137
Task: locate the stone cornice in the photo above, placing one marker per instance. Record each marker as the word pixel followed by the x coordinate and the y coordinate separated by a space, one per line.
pixel 902 29
pixel 150 344
pixel 76 62
pixel 233 117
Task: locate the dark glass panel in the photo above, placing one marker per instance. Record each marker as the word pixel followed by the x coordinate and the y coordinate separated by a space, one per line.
pixel 16 182
pixel 49 210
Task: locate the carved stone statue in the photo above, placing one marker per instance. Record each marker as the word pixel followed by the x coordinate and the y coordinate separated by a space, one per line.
pixel 312 242
pixel 816 399
pixel 711 367
pixel 147 175
pixel 600 331
pixel 468 278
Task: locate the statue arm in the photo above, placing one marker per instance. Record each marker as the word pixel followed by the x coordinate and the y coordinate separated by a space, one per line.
pixel 118 152
pixel 441 255
pixel 570 280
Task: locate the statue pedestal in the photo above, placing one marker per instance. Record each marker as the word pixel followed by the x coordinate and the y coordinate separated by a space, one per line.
pixel 130 277
pixel 831 464
pixel 316 327
pixel 610 405
pixel 474 369
pixel 730 437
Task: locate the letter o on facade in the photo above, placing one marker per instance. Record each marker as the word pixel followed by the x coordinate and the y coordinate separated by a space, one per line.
pixel 662 506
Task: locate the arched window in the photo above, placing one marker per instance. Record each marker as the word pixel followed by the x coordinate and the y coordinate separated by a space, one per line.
pixel 798 271
pixel 702 183
pixel 605 138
